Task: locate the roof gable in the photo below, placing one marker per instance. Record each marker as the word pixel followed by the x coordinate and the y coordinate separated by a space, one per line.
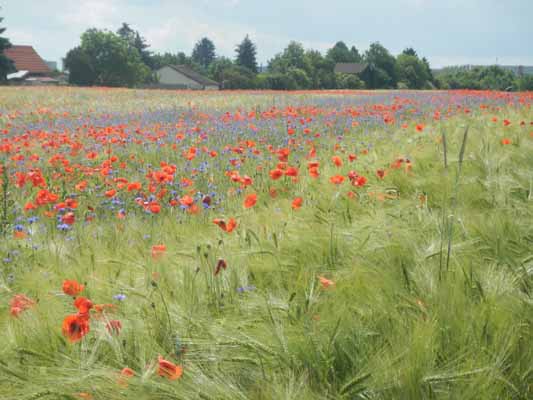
pixel 195 76
pixel 26 58
pixel 350 68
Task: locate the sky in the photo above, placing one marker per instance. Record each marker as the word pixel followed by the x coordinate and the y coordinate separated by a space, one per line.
pixel 447 32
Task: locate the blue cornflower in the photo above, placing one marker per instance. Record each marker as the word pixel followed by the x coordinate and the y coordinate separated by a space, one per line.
pixel 120 297
pixel 63 227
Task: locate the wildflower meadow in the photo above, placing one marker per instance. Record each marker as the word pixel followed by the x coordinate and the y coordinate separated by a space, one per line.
pixel 265 245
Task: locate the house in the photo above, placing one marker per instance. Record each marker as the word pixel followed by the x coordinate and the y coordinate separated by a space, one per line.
pixel 183 77
pixel 31 68
pixel 350 68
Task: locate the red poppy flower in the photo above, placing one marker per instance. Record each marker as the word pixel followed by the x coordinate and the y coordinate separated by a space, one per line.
pixel 297 203
pixel 336 179
pixel 158 250
pixel 506 141
pixel 20 303
pixel 186 201
pixel 275 174
pixel 313 172
pixel 168 369
pixel 134 186
pixel 83 305
pixel 75 326
pixel 221 223
pixel 420 127
pixel 229 227
pixel 72 287
pixel 110 193
pixel 232 224
pixel 337 161
pixel 326 283
pixel 291 171
pixel 68 218
pixel 380 173
pixel 125 375
pixel 352 157
pixel 250 200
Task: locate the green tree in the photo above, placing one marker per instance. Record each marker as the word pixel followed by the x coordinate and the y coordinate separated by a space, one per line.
pixel 525 83
pixel 6 65
pixel 381 70
pixel 356 56
pixel 238 77
pixel 349 81
pixel 293 56
pixel 217 69
pixel 104 58
pixel 340 53
pixel 204 52
pixel 411 71
pixel 136 41
pixel 320 70
pixel 80 68
pixel 409 51
pixel 247 55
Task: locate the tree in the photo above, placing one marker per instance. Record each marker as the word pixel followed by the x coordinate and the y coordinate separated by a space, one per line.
pixel 104 58
pixel 356 56
pixel 320 70
pixel 6 65
pixel 525 83
pixel 293 56
pixel 160 60
pixel 218 68
pixel 136 41
pixel 238 77
pixel 484 78
pixel 411 71
pixel 409 51
pixel 80 69
pixel 246 55
pixel 381 70
pixel 204 52
pixel 349 81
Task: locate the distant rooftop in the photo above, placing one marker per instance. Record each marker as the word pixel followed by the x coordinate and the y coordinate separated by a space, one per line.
pixel 350 68
pixel 26 58
pixel 195 76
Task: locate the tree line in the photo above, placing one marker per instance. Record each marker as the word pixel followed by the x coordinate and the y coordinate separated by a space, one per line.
pixel 123 58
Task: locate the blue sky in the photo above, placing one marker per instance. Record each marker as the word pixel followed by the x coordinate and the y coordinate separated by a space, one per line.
pixel 447 32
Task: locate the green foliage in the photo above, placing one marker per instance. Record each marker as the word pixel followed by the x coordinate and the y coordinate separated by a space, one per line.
pixel 105 59
pixel 381 71
pixel 204 52
pixel 485 78
pixel 237 77
pixel 525 83
pixel 320 70
pixel 80 67
pixel 246 55
pixel 136 41
pixel 293 56
pixel 340 53
pixel 412 71
pixel 6 65
pixel 349 81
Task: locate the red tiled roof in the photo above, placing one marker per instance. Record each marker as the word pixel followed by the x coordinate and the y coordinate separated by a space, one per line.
pixel 26 58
